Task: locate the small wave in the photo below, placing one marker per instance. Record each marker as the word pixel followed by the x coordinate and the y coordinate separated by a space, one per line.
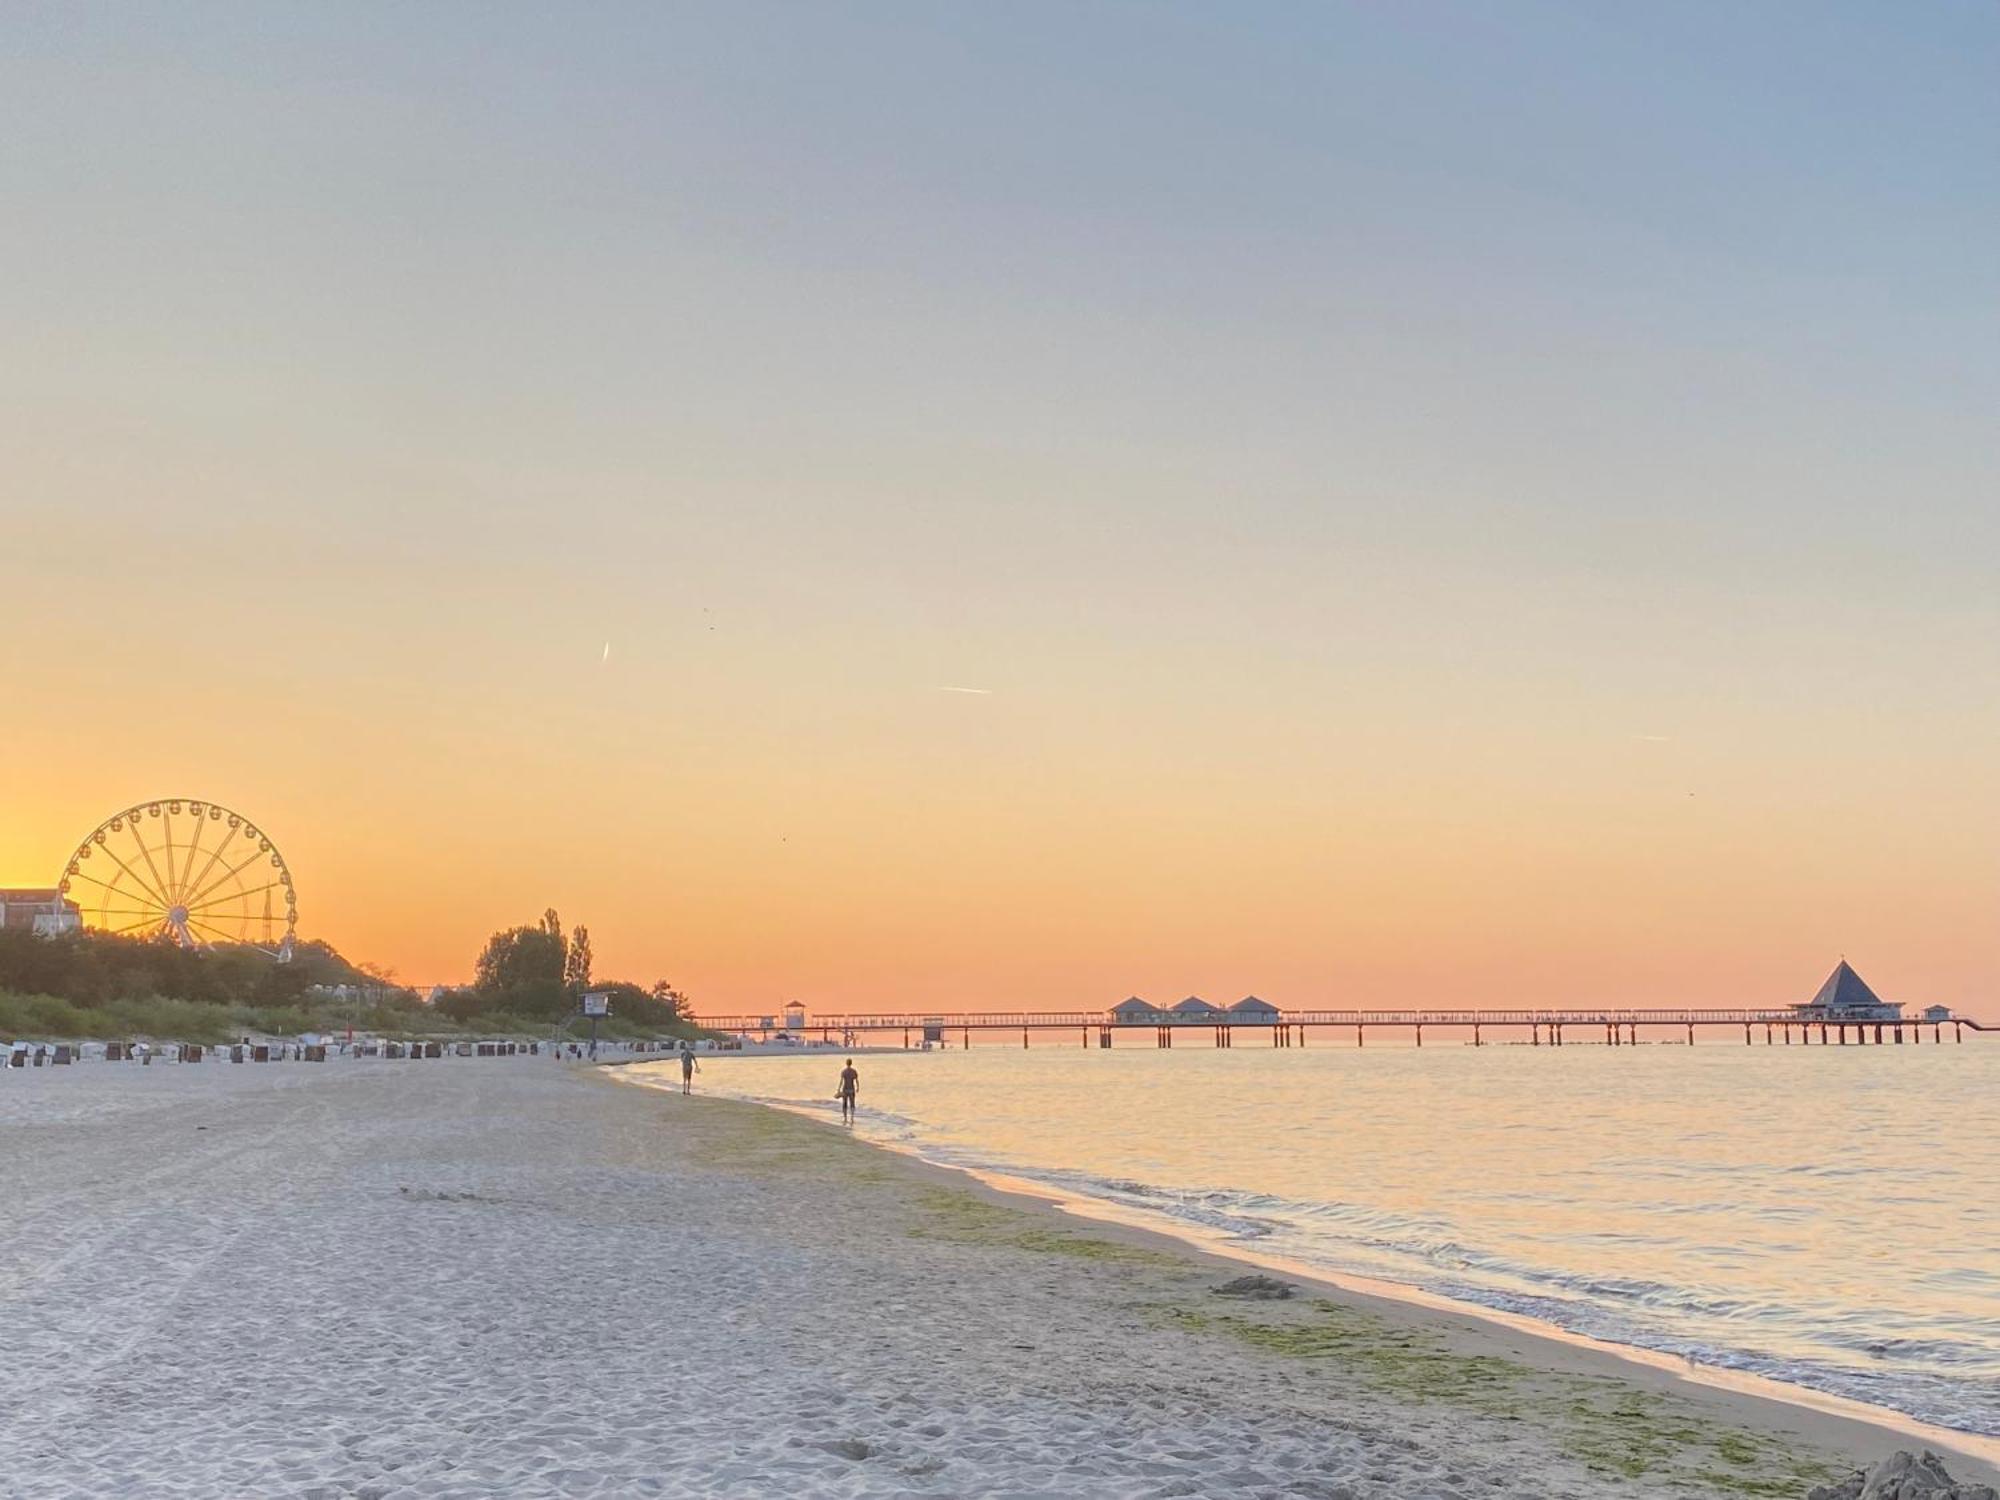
pixel 1930 1351
pixel 1237 1215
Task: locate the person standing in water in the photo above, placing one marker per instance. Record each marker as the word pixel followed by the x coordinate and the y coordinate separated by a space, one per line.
pixel 689 1067
pixel 850 1085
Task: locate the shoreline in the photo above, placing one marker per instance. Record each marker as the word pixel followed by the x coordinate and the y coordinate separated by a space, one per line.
pixel 497 1276
pixel 1817 1417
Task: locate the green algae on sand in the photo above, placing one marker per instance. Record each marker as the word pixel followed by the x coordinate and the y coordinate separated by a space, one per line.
pixel 967 1219
pixel 1607 1425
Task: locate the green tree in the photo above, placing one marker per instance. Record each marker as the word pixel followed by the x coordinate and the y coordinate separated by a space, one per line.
pixel 521 971
pixel 661 1008
pixel 670 1000
pixel 576 965
pixel 462 1005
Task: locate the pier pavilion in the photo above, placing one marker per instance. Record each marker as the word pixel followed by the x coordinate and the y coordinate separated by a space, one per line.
pixel 1846 997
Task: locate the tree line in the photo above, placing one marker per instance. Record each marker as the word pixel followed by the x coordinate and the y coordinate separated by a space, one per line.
pixel 97 968
pixel 537 973
pixel 525 978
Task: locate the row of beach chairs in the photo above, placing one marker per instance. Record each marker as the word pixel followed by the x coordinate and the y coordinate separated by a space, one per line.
pixel 45 1054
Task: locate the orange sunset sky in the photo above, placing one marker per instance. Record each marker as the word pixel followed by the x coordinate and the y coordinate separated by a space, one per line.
pixel 1431 517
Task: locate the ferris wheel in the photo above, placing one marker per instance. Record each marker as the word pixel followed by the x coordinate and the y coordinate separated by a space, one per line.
pixel 188 870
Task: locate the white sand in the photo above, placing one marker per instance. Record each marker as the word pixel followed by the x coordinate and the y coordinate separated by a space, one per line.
pixel 511 1276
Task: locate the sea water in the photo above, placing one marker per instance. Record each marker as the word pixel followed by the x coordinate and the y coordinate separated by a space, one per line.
pixel 1825 1216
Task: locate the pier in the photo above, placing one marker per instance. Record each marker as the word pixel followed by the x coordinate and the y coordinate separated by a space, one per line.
pixel 1477 1028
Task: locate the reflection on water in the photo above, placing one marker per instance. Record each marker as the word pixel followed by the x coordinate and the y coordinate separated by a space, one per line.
pixel 1827 1216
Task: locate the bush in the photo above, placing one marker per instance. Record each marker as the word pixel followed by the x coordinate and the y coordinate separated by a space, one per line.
pixel 50 1016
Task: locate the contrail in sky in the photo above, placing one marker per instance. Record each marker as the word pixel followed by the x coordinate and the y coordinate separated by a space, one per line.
pixel 607 651
pixel 982 692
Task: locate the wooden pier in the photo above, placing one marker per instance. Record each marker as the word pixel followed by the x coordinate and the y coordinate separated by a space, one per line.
pixel 1477 1028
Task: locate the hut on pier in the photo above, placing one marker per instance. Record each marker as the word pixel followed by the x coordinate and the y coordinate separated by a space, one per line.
pixel 1254 1012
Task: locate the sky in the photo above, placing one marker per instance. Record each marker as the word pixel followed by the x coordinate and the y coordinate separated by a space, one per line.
pixel 1441 504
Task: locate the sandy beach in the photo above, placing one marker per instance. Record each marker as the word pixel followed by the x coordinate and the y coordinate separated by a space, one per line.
pixel 520 1277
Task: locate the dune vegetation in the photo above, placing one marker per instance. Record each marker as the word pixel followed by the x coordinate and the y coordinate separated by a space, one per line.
pixel 98 986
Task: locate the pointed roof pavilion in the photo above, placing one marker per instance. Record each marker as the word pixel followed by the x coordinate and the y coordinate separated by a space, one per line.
pixel 1844 990
pixel 1845 993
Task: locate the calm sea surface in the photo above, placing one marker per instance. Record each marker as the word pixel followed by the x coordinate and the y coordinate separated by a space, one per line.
pixel 1825 1216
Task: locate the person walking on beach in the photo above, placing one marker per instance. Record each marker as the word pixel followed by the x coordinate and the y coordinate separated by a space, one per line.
pixel 850 1085
pixel 689 1067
